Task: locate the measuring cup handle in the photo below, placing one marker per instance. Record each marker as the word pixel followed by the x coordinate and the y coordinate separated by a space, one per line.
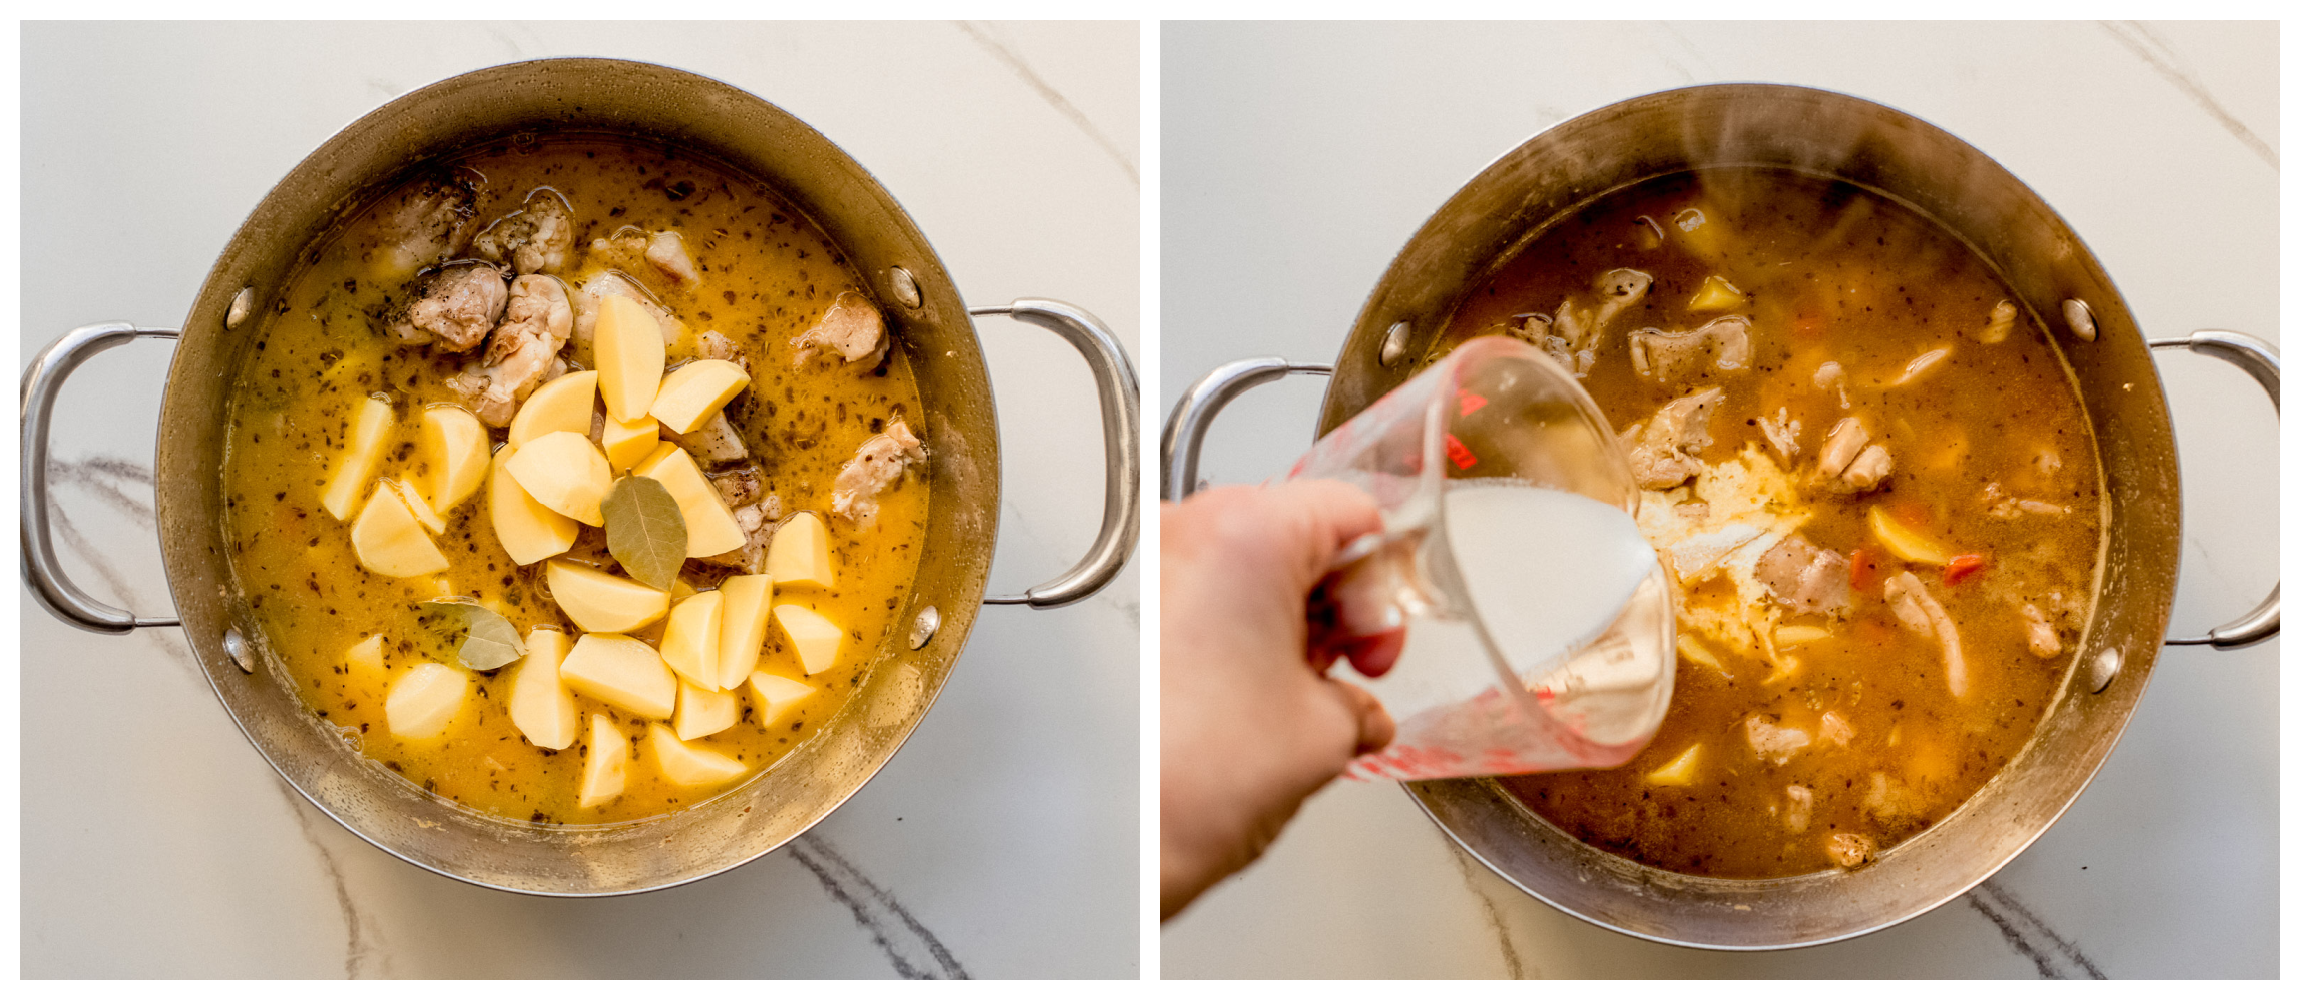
pixel 42 381
pixel 2257 358
pixel 1121 401
pixel 1186 427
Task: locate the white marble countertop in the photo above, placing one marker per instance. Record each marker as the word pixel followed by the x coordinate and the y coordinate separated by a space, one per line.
pixel 1002 840
pixel 1296 159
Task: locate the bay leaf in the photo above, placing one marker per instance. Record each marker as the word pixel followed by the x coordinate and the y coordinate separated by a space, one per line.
pixel 489 639
pixel 645 531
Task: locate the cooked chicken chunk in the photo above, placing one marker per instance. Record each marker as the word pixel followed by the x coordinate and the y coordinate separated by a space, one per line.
pixel 1662 449
pixel 877 465
pixel 1807 579
pixel 719 347
pixel 851 329
pixel 668 253
pixel 427 222
pixel 1774 744
pixel 716 441
pixel 1920 613
pixel 454 307
pixel 1834 729
pixel 1800 812
pixel 2043 638
pixel 535 239
pixel 1848 462
pixel 1831 376
pixel 1850 850
pixel 521 351
pixel 1722 345
pixel 1572 337
pixel 1781 432
pixel 739 488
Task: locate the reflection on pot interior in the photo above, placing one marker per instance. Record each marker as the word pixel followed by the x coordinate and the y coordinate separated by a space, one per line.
pixel 574 480
pixel 1868 468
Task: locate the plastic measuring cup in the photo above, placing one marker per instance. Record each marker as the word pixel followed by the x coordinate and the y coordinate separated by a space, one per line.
pixel 1509 615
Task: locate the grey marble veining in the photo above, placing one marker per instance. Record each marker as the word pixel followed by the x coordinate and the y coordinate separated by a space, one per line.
pixel 156 841
pixel 1297 158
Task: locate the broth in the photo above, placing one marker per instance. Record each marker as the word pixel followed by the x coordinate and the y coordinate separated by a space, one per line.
pixel 1885 567
pixel 761 275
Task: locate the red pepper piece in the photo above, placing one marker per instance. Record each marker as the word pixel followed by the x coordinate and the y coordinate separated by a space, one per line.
pixel 1963 566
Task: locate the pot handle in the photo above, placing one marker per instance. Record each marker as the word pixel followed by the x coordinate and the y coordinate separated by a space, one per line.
pixel 2257 358
pixel 1186 427
pixel 1121 399
pixel 42 571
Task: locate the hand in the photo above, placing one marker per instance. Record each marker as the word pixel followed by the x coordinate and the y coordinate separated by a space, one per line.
pixel 1249 726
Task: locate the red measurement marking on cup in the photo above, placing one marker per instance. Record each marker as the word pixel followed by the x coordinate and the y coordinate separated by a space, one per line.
pixel 1470 402
pixel 1463 458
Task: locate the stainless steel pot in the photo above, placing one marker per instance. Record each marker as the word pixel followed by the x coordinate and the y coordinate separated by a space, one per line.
pixel 1886 151
pixel 699 115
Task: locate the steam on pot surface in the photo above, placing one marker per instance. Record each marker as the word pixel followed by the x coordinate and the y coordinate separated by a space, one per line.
pixel 1866 464
pixel 575 481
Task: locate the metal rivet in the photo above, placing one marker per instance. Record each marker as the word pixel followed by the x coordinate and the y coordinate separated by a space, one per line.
pixel 241 303
pixel 924 628
pixel 1394 345
pixel 2079 318
pixel 905 287
pixel 236 647
pixel 2104 669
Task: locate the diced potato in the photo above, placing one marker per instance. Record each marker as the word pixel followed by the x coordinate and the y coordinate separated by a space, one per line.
pixel 703 712
pixel 541 706
pixel 603 764
pixel 598 602
pixel 690 766
pixel 370 426
pixel 628 344
pixel 742 625
pixel 711 527
pixel 413 498
pixel 622 672
pixel 365 658
pixel 1679 771
pixel 1906 542
pixel 774 697
pixel 1696 229
pixel 389 540
pixel 562 404
pixel 455 446
pixel 691 641
pixel 529 531
pixel 1716 295
pixel 815 638
pixel 425 700
pixel 1798 635
pixel 801 552
pixel 689 395
pixel 629 443
pixel 564 471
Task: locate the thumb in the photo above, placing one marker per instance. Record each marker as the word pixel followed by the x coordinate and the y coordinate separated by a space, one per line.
pixel 1375 727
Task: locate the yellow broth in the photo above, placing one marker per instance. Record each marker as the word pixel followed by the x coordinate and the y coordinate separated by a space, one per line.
pixel 767 274
pixel 1830 273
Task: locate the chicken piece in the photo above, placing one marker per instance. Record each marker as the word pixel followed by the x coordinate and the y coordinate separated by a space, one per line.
pixel 772 507
pixel 668 253
pixel 1834 729
pixel 716 441
pixel 739 488
pixel 1848 462
pixel 1781 432
pixel 1831 375
pixel 877 465
pixel 454 307
pixel 2000 324
pixel 533 240
pixel 1617 290
pixel 1920 613
pixel 1807 579
pixel 2004 507
pixel 428 222
pixel 1889 802
pixel 1722 344
pixel 1800 812
pixel 2043 638
pixel 1572 336
pixel 713 345
pixel 851 329
pixel 1662 449
pixel 1774 744
pixel 520 352
pixel 1850 850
